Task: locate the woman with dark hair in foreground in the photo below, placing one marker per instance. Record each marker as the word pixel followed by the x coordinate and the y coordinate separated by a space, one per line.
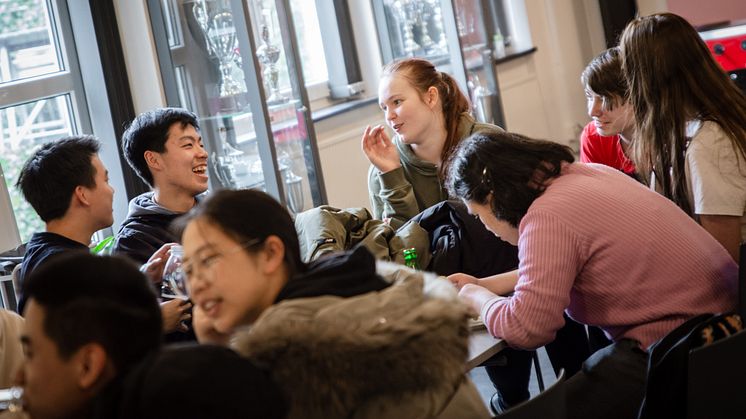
pixel 596 244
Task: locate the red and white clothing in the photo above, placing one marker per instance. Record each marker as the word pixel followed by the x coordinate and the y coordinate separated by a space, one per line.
pixel 613 254
pixel 595 148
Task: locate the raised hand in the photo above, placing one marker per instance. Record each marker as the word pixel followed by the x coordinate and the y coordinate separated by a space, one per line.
pixel 379 149
pixel 153 268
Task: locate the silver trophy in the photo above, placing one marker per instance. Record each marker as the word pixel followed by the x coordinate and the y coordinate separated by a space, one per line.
pixel 221 41
pixel 414 17
pixel 293 183
pixel 269 54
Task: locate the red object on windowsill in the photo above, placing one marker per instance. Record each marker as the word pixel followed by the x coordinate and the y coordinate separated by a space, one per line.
pixel 727 43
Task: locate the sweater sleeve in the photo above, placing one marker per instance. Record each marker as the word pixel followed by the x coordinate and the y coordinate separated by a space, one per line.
pixel 550 260
pixel 392 196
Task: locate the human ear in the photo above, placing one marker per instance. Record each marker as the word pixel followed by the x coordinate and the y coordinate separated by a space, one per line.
pixel 81 194
pixel 273 254
pixel 91 366
pixel 432 96
pixel 152 159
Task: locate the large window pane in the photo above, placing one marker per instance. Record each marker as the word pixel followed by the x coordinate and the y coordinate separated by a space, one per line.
pixel 28 46
pixel 23 129
pixel 307 29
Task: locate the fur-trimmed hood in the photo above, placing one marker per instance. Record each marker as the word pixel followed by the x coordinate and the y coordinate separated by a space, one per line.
pixel 393 353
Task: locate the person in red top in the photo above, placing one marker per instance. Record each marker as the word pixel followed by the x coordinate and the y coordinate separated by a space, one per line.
pixel 606 138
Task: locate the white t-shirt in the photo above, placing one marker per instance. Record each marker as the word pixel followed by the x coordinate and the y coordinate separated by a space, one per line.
pixel 716 173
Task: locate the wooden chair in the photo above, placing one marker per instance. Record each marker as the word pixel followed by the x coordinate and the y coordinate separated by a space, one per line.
pixel 549 404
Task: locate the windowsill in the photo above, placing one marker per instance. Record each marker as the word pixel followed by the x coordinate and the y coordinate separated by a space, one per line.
pixel 341 108
pixel 512 55
pixel 346 106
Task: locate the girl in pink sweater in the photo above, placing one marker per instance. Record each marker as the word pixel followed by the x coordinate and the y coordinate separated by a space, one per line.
pixel 596 244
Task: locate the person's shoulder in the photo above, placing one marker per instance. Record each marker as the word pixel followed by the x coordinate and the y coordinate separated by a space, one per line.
pixel 707 134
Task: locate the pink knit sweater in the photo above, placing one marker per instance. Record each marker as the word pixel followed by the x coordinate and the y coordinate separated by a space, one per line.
pixel 613 254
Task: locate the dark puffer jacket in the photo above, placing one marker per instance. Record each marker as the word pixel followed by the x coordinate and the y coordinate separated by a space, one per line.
pixel 145 230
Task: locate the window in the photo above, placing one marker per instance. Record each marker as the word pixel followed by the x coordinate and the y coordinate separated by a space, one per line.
pixel 239 66
pixel 43 94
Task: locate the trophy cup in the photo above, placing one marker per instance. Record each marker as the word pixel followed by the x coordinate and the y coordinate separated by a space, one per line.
pixel 221 42
pixel 268 55
pixel 293 183
pixel 441 46
pixel 414 17
pixel 401 11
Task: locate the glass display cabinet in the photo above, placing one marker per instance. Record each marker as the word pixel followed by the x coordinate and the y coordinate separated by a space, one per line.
pixel 234 63
pixel 458 36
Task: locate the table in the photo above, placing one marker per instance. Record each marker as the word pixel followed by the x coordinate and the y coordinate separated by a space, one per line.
pixel 482 346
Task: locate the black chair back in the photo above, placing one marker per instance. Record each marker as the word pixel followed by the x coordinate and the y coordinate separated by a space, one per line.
pixel 716 379
pixel 549 404
pixel 742 282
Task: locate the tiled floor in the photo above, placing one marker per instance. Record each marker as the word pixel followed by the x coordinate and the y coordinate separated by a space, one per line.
pixel 486 389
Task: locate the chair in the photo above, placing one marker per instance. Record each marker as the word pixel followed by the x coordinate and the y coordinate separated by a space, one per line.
pixel 742 282
pixel 716 379
pixel 549 404
pixel 717 372
pixel 9 289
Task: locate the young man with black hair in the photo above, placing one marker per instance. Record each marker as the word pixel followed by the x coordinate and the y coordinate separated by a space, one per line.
pixel 165 148
pixel 89 320
pixel 68 186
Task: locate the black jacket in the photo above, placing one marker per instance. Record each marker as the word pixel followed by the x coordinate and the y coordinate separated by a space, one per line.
pixel 342 274
pixel 145 230
pixel 41 248
pixel 460 243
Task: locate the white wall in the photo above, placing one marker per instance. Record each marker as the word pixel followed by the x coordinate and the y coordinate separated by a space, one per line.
pixel 542 94
pixel 648 7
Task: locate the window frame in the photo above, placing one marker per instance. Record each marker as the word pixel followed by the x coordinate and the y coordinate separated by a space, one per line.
pixel 77 25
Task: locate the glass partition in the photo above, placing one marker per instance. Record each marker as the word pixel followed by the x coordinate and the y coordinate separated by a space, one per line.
pixel 456 35
pixel 234 63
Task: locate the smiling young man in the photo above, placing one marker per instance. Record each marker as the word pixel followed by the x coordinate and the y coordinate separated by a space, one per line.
pixel 165 148
pixel 68 186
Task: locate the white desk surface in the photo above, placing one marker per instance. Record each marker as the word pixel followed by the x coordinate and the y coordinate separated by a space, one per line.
pixel 482 346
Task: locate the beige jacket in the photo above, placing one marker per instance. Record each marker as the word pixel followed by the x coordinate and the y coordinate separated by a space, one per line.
pixel 326 229
pixel 397 353
pixel 11 352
